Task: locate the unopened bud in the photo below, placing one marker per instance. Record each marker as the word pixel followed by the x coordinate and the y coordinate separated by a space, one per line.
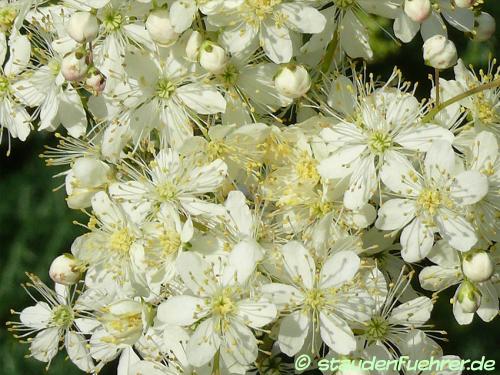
pixel 83 27
pixel 96 82
pixel 193 46
pixel 65 270
pixel 464 3
pixel 439 52
pixel 478 266
pixel 485 27
pixel 213 58
pixel 468 297
pixel 418 10
pixel 160 28
pixel 74 67
pixel 292 81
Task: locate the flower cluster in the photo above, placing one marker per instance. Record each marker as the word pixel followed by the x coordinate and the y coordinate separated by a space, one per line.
pixel 252 193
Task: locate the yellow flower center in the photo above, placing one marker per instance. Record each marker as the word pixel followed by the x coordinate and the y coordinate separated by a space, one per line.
pixel 377 328
pixel 262 8
pixel 166 191
pixel 380 142
pixel 486 112
pixel 62 316
pixel 164 88
pixel 121 240
pixel 306 169
pixel 112 20
pixel 344 4
pixel 7 16
pixel 222 304
pixel 429 201
pixel 315 299
pixel 170 242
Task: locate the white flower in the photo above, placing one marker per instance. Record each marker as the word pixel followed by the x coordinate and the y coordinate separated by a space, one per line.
pixel 220 301
pixel 430 202
pixel 175 181
pixel 477 266
pixel 271 23
pixel 55 319
pixel 480 298
pixel 13 115
pixel 378 128
pixel 318 301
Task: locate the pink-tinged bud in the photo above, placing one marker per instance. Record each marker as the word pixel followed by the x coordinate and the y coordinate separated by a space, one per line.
pixel 96 82
pixel 418 10
pixel 65 270
pixel 74 68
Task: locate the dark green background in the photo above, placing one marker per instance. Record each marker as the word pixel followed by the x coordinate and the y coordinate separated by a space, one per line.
pixel 36 225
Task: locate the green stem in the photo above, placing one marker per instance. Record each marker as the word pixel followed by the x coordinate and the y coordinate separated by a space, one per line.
pixel 330 52
pixel 216 368
pixel 455 99
pixel 438 88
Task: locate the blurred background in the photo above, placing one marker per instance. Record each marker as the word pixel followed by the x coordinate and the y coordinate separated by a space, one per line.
pixel 36 225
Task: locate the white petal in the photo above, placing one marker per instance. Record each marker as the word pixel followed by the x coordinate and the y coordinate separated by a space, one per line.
pixel 417 311
pixel 243 259
pixel 203 99
pixel 488 309
pixel 302 18
pixel 45 344
pixel 440 161
pixel 78 352
pixel 362 184
pixel 20 52
pixel 338 269
pixel 196 273
pixel 436 278
pixel 469 187
pixel 455 229
pixel 240 342
pixel 341 162
pixel 256 314
pixel 336 333
pixel 276 42
pixel 399 176
pixel 203 344
pixel 182 13
pixel 239 212
pixel 416 241
pixel 420 137
pixel 395 214
pixel 182 310
pixel 282 295
pixel 293 332
pixel 354 37
pixel 37 316
pixel 404 28
pixel 299 264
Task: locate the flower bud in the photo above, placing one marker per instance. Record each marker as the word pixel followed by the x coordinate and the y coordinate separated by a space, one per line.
pixel 96 82
pixel 91 172
pixel 292 81
pixel 83 27
pixel 213 58
pixel 418 10
pixel 485 27
pixel 464 3
pixel 160 28
pixel 478 266
pixel 74 68
pixel 65 270
pixel 439 52
pixel 468 297
pixel 123 320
